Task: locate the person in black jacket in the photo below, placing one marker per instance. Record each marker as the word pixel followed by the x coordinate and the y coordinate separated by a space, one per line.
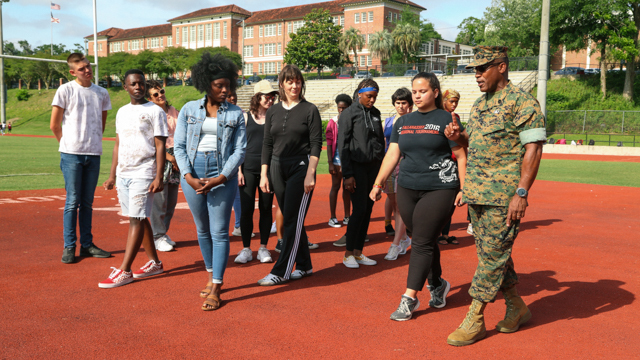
pixel 361 148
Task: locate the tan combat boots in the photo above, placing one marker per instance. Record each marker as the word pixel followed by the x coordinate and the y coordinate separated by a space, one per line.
pixel 472 328
pixel 517 312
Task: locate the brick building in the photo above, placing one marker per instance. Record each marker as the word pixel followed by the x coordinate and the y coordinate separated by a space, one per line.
pixel 265 36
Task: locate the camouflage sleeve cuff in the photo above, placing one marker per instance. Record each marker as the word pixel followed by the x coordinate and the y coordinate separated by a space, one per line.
pixel 533 135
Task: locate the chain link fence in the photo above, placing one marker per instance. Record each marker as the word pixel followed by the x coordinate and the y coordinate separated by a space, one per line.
pixel 598 127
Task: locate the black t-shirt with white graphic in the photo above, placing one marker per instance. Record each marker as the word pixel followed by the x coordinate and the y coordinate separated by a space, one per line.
pixel 426 152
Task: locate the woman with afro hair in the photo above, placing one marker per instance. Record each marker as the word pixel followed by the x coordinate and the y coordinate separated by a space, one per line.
pixel 210 144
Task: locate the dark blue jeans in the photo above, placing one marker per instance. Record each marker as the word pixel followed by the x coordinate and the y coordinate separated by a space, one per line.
pixel 80 180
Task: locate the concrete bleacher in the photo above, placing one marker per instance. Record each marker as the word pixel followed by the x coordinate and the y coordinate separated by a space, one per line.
pixel 323 92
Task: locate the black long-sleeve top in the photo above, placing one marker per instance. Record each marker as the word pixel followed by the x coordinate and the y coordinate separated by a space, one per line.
pixel 360 137
pixel 293 132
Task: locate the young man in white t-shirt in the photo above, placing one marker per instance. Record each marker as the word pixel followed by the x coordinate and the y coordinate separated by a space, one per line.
pixel 138 163
pixel 78 117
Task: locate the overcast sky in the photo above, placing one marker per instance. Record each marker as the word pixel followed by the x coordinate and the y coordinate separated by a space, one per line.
pixel 30 19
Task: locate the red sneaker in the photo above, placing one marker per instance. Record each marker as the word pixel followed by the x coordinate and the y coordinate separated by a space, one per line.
pixel 117 278
pixel 150 268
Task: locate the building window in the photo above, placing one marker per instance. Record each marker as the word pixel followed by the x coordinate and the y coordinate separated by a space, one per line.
pixel 260 68
pixel 270 68
pixel 133 45
pixel 216 31
pixel 207 32
pixel 427 48
pixel 270 30
pixel 260 31
pixel 390 19
pixel 464 52
pixel 357 21
pixel 248 51
pixel 336 20
pixel 364 17
pixel 99 47
pixel 279 48
pixel 200 32
pixel 297 25
pixel 342 20
pixel 395 17
pixel 362 60
pixel 248 69
pixel 224 30
pixel 269 49
pixel 259 50
pixel 185 35
pixel 248 32
pixel 192 35
pixel 289 28
pixel 177 36
pixel 370 16
pixel 155 43
pixel 169 40
pixel 277 67
pixel 279 28
pixel 369 60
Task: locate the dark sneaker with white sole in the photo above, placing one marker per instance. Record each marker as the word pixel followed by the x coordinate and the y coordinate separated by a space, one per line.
pixel 278 248
pixel 69 255
pixel 439 294
pixel 405 309
pixel 94 251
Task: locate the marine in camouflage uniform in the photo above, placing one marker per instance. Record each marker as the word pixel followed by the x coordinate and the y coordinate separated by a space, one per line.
pixel 501 123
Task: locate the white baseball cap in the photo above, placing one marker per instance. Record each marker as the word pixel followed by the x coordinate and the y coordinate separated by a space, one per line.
pixel 264 87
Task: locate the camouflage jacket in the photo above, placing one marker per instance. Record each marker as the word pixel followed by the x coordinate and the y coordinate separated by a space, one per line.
pixel 499 126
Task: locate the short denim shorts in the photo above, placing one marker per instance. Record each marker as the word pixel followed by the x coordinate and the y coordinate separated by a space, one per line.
pixel 135 199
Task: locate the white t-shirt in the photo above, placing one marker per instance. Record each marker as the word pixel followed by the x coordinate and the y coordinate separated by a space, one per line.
pixel 208 135
pixel 82 117
pixel 137 126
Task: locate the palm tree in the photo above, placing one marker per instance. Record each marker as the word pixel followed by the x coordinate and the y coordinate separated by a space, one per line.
pixel 351 40
pixel 381 44
pixel 407 39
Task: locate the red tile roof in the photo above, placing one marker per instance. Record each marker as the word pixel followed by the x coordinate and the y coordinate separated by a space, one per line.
pixel 294 12
pixel 164 29
pixel 213 11
pixel 403 2
pixel 112 31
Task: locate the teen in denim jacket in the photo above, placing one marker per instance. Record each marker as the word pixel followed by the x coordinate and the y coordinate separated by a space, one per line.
pixel 210 144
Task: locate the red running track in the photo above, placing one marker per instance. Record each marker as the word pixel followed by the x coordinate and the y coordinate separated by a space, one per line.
pixel 577 256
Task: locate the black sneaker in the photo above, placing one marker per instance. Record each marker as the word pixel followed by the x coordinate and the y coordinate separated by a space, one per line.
pixel 279 246
pixel 94 251
pixel 389 230
pixel 439 294
pixel 405 309
pixel 69 255
pixel 312 245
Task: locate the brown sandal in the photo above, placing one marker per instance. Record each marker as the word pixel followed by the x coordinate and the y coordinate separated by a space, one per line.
pixel 211 303
pixel 207 290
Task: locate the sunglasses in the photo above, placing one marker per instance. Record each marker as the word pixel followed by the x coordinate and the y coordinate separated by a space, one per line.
pixel 483 68
pixel 270 97
pixel 161 92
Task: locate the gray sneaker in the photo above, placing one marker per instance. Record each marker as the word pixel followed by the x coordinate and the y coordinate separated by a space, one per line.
pixel 69 255
pixel 439 294
pixel 94 251
pixel 341 242
pixel 405 309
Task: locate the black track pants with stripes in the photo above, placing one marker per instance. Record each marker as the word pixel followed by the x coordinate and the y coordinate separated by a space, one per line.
pixel 287 176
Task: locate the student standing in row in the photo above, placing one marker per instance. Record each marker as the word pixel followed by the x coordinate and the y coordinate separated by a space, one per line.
pixel 165 201
pixel 210 146
pixel 249 176
pixel 361 146
pixel 343 101
pixel 450 100
pixel 138 156
pixel 78 116
pixel 292 146
pixel 427 186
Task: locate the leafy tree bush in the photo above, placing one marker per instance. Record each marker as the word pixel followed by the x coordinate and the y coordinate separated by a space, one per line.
pixel 23 95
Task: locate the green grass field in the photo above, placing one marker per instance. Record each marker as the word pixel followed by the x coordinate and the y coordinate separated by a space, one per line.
pixel 34 163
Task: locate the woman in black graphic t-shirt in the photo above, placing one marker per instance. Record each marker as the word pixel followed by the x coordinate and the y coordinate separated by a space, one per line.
pixel 427 185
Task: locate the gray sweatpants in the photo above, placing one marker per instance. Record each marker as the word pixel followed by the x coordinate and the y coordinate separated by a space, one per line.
pixel 164 205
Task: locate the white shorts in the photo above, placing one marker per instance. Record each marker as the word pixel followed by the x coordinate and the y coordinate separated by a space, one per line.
pixel 134 196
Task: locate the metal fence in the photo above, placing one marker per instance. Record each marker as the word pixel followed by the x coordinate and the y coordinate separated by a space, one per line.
pixel 594 121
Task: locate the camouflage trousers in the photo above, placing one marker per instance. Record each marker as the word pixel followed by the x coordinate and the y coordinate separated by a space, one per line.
pixel 494 243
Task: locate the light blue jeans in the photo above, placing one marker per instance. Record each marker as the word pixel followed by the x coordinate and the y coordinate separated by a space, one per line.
pixel 80 180
pixel 211 213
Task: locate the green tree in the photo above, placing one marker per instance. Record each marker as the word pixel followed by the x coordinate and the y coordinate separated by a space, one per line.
pixel 26 47
pixel 315 45
pixel 471 31
pixel 627 44
pixel 114 65
pixel 141 61
pixel 351 40
pixel 381 44
pixel 407 39
pixel 176 60
pixel 515 24
pixel 9 48
pixel 222 50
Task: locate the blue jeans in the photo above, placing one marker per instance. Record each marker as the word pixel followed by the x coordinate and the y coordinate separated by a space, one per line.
pixel 211 213
pixel 237 210
pixel 80 180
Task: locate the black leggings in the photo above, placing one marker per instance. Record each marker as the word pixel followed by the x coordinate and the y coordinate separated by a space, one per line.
pixel 247 204
pixel 424 213
pixel 365 177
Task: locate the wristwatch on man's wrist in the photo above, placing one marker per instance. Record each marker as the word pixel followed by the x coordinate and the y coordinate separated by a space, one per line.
pixel 522 192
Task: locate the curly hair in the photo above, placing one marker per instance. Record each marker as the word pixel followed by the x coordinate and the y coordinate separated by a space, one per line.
pixel 154 84
pixel 255 103
pixel 290 72
pixel 344 98
pixel 434 84
pixel 213 67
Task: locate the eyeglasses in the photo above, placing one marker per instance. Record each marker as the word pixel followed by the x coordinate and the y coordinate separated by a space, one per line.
pixel 161 92
pixel 270 97
pixel 483 68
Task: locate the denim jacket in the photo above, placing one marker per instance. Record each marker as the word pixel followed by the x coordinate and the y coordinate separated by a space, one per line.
pixel 232 140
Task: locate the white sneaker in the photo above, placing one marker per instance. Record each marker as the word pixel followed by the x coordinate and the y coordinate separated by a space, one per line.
pixel 271 280
pixel 404 244
pixel 333 222
pixel 264 256
pixel 244 256
pixel 162 245
pixel 394 251
pixel 470 229
pixel 345 221
pixel 299 274
pixel 273 228
pixel 364 260
pixel 236 232
pixel 169 241
pixel 350 262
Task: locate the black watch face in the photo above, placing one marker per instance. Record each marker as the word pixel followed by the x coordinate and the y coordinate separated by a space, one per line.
pixel 522 192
